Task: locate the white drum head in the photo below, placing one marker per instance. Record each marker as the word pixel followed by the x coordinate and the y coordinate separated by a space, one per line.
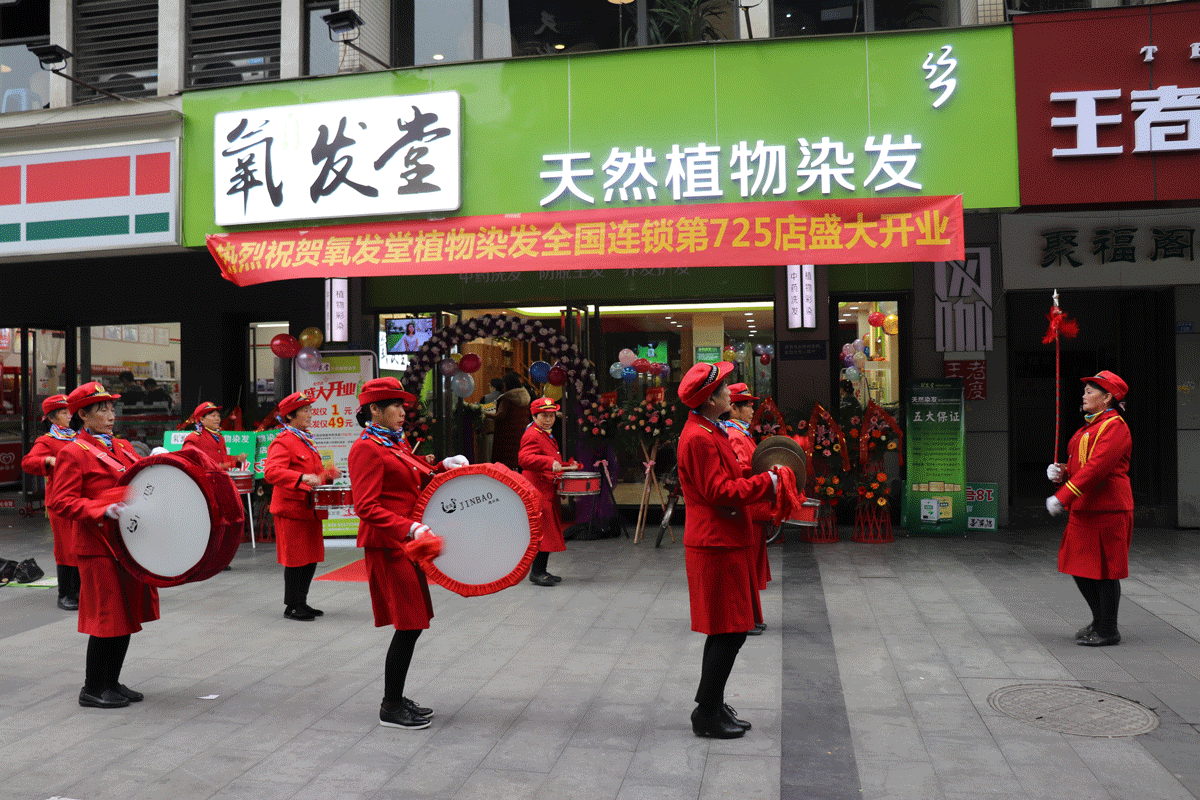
pixel 484 526
pixel 166 525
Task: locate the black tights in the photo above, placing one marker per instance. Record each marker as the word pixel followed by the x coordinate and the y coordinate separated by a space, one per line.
pixel 105 657
pixel 720 650
pixel 395 670
pixel 68 582
pixel 1103 597
pixel 296 581
pixel 539 563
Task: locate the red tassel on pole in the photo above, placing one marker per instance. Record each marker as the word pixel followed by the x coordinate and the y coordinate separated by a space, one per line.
pixel 1060 325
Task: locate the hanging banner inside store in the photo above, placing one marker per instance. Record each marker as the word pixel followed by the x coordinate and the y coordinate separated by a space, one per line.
pixel 935 499
pixel 333 385
pixel 850 231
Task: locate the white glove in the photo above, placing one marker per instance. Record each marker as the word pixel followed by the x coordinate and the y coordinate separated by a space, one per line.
pixel 774 480
pixel 158 451
pixel 1054 506
pixel 417 530
pixel 1055 473
pixel 454 462
pixel 114 511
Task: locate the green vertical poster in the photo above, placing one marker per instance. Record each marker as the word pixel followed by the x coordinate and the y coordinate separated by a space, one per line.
pixel 936 496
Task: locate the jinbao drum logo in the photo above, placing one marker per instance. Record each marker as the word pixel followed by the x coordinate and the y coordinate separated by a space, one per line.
pixel 454 504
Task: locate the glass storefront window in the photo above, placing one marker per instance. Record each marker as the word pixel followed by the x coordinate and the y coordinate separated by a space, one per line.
pixel 141 363
pixel 868 353
pixel 24 86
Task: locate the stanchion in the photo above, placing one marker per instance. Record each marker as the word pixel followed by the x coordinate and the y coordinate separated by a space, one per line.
pixel 872 524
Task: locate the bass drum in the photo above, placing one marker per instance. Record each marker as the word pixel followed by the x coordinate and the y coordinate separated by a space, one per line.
pixel 182 522
pixel 489 518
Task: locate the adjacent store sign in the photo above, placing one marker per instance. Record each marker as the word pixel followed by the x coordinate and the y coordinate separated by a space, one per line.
pixel 89 199
pixel 972 372
pixel 1102 248
pixel 934 448
pixel 1098 122
pixel 801 296
pixel 347 158
pixel 337 309
pixel 334 389
pixel 237 443
pixel 983 506
pixel 848 231
pixel 962 302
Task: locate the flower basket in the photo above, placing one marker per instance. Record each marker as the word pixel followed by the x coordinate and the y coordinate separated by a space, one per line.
pixel 826 531
pixel 873 516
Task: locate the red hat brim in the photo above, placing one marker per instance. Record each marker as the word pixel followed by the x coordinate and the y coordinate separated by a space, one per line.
pixel 79 400
pixel 695 395
pixel 384 395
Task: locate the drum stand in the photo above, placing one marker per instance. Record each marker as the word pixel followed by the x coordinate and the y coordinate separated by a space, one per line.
pixel 606 483
pixel 250 517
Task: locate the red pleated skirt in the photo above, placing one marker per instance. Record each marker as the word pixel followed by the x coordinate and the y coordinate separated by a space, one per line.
pixel 111 601
pixel 64 550
pixel 552 527
pixel 723 588
pixel 399 590
pixel 298 542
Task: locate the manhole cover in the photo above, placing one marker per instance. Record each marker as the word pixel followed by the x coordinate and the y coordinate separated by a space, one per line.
pixel 1074 709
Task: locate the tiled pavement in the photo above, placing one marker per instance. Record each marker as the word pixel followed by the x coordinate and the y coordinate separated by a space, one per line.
pixel 871 681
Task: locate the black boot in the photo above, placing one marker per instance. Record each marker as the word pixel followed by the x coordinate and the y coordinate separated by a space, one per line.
pixel 715 722
pixel 68 596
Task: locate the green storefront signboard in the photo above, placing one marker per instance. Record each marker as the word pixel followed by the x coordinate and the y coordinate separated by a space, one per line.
pixel 252 445
pixel 935 499
pixel 983 506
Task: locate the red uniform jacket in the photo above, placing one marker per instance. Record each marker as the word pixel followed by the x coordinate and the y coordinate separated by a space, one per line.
pixel 35 464
pixel 539 451
pixel 1098 466
pixel 85 470
pixel 386 482
pixel 288 459
pixel 211 446
pixel 714 489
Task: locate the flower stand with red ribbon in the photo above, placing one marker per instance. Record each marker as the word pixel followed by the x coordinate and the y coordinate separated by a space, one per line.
pixel 873 516
pixel 825 446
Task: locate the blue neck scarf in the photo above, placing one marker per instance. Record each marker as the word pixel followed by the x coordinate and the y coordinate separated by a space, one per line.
pixel 104 437
pixel 744 427
pixel 304 436
pixel 389 436
pixel 59 432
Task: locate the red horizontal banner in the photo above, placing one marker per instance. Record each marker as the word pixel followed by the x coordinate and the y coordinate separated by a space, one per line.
pixel 880 230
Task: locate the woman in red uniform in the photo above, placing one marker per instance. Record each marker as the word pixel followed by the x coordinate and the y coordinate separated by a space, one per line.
pixel 386 479
pixel 1096 490
pixel 741 413
pixel 40 460
pixel 294 468
pixel 112 603
pixel 207 437
pixel 539 463
pixel 720 543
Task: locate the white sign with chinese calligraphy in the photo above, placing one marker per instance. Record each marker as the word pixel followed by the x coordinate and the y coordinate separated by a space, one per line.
pixel 1100 249
pixel 801 296
pixel 346 158
pixel 962 303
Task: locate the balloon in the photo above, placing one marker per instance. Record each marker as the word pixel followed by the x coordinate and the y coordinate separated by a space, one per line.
pixel 858 345
pixel 626 357
pixel 553 392
pixel 852 374
pixel 616 370
pixel 866 352
pixel 859 359
pixel 628 374
pixel 875 318
pixel 285 345
pixel 848 360
pixel 462 384
pixel 457 357
pixel 764 359
pixel 729 353
pixel 847 349
pixel 656 369
pixel 470 363
pixel 312 337
pixel 891 324
pixel 539 371
pixel 448 367
pixel 557 375
pixel 759 349
pixel 770 348
pixel 309 358
pixel 641 365
pixel 666 371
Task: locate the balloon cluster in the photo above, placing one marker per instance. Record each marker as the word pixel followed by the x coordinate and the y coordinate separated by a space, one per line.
pixel 303 349
pixel 460 369
pixel 628 366
pixel 765 353
pixel 854 359
pixel 554 376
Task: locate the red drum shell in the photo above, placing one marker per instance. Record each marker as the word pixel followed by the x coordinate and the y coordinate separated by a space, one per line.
pixel 224 510
pixel 578 484
pixel 243 480
pixel 327 498
pixel 807 515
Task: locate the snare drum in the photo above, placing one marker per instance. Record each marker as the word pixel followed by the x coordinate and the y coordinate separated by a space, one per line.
pixel 243 480
pixel 578 484
pixel 807 515
pixel 182 522
pixel 336 500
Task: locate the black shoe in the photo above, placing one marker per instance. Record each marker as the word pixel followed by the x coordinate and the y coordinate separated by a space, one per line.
pixel 1083 633
pixel 1097 639
pixel 542 580
pixel 554 578
pixel 68 604
pixel 715 724
pixel 731 712
pixel 227 568
pixel 403 718
pixel 316 612
pixel 416 710
pixel 298 613
pixel 106 699
pixel 760 626
pixel 132 695
pixel 755 631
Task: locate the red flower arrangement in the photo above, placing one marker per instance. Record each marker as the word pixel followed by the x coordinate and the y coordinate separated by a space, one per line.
pixel 879 432
pixel 418 426
pixel 596 419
